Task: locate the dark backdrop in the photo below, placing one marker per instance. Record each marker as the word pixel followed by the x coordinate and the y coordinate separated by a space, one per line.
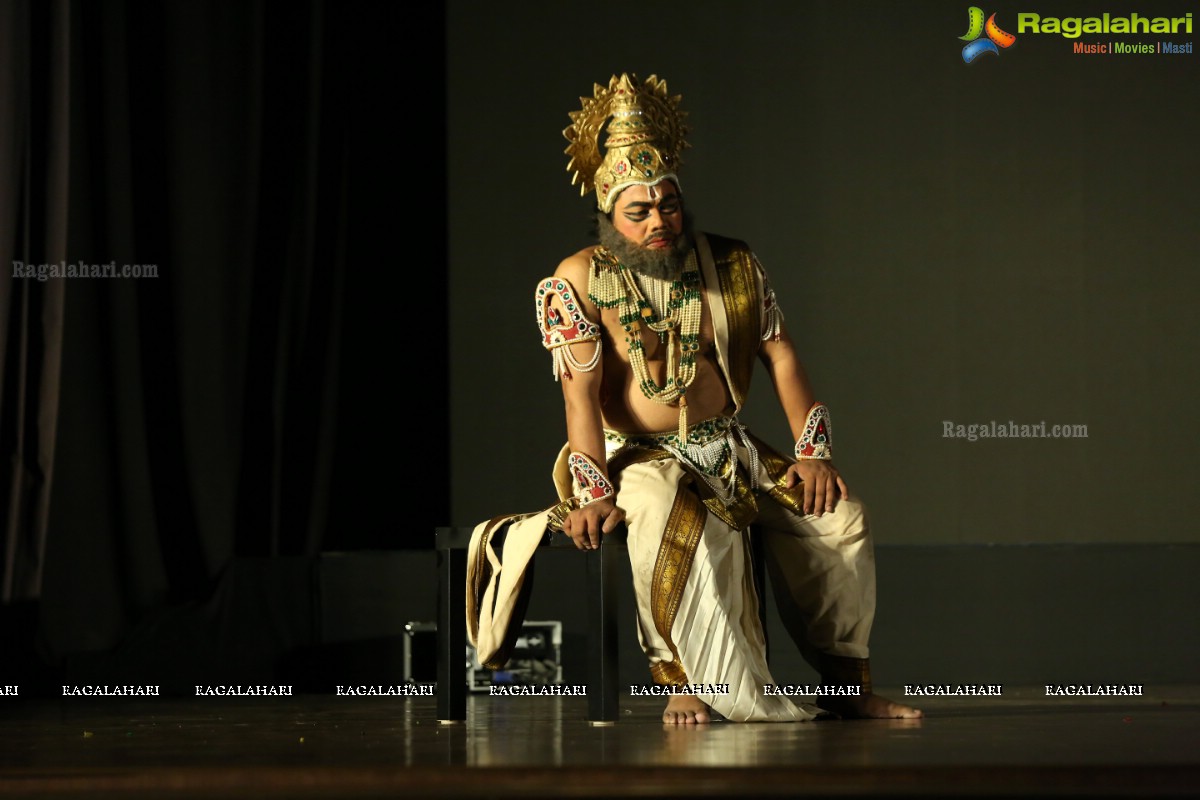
pixel 1010 239
pixel 280 165
pixel 1013 239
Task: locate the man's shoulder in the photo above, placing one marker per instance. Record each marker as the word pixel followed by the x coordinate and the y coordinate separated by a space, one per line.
pixel 575 266
pixel 574 270
pixel 583 256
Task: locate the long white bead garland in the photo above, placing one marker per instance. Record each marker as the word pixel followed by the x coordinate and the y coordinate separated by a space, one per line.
pixel 676 319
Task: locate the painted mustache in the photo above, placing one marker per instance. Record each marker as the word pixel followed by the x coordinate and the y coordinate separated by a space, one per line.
pixel 664 237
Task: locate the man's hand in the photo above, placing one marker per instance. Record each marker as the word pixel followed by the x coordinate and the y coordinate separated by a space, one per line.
pixel 585 525
pixel 823 485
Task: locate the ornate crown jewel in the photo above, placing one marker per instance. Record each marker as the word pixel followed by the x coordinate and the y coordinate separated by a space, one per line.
pixel 644 139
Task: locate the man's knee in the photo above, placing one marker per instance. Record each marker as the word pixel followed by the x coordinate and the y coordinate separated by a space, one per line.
pixel 855 510
pixel 848 521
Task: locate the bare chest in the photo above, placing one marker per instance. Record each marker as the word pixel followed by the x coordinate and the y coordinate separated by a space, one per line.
pixel 660 337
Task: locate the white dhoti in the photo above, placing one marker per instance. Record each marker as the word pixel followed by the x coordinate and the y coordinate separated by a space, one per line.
pixel 698 611
pixel 697 608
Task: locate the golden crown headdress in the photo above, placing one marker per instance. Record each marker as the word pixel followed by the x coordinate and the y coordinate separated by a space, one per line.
pixel 644 142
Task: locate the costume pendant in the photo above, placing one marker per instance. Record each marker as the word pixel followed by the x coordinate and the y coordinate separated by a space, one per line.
pixel 683 419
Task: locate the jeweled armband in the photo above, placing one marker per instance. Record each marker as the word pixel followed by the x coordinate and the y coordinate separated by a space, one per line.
pixel 589 480
pixel 559 333
pixel 817 440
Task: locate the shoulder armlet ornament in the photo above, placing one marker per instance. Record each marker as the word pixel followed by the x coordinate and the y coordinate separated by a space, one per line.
pixel 817 440
pixel 772 316
pixel 556 296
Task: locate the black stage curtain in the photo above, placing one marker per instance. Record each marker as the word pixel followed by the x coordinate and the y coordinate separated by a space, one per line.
pixel 240 399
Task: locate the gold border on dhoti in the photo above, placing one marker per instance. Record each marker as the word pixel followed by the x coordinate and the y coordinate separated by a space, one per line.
pixel 674 562
pixel 776 465
pixel 668 673
pixel 742 507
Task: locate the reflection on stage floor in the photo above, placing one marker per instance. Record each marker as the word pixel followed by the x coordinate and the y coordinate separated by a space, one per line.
pixel 1020 744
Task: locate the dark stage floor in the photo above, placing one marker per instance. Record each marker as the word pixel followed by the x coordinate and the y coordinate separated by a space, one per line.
pixel 1021 744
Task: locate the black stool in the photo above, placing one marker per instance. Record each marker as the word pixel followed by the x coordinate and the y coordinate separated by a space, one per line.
pixel 603 566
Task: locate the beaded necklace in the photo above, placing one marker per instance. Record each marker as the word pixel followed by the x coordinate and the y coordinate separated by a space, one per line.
pixel 676 319
pixel 657 292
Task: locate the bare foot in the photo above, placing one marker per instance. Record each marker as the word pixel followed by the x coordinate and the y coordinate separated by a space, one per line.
pixel 685 709
pixel 867 706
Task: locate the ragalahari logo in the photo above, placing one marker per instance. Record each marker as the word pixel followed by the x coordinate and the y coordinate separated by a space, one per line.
pixel 995 40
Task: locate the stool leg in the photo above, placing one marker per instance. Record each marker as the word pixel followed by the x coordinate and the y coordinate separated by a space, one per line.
pixel 603 688
pixel 452 636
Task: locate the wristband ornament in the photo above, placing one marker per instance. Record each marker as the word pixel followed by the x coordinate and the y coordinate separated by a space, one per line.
pixel 589 479
pixel 817 440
